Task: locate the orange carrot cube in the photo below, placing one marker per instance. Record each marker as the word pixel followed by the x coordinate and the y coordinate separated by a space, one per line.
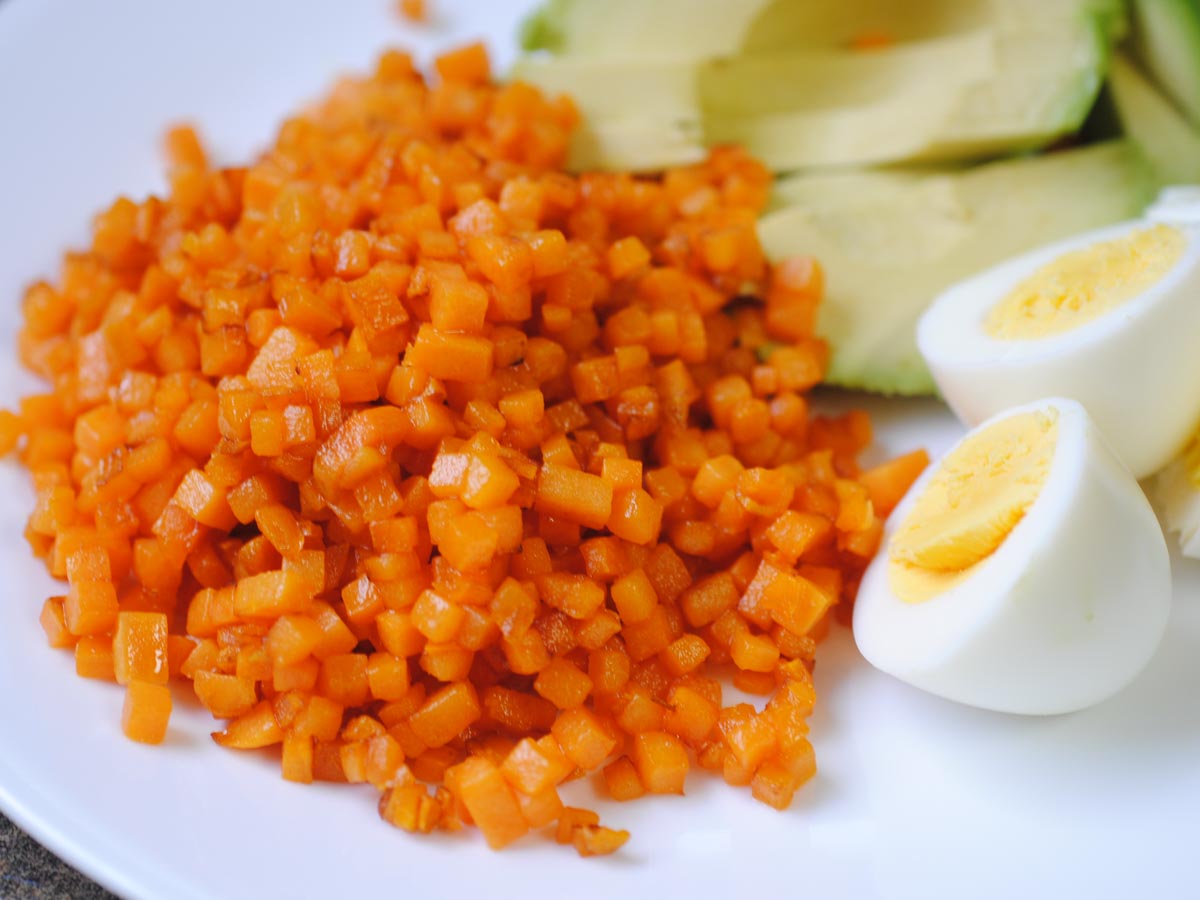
pixel 492 804
pixel 225 696
pixel 140 648
pixel 146 712
pixel 94 658
pixel 661 762
pixel 583 738
pixel 444 715
pixel 563 684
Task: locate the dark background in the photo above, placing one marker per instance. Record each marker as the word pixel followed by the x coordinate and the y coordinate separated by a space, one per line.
pixel 28 870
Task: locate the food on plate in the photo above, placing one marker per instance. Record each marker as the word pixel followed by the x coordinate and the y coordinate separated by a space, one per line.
pixel 827 90
pixel 1025 572
pixel 1108 318
pixel 890 241
pixel 442 470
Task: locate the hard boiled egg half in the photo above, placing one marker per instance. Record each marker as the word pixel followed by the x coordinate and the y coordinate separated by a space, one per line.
pixel 1110 318
pixel 1025 572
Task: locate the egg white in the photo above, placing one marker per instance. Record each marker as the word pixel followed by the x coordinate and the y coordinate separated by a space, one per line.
pixel 1065 612
pixel 1136 369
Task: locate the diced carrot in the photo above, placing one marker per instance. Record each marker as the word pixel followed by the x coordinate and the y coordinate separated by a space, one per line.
pixel 94 658
pixel 563 684
pixel 490 801
pixel 146 712
pixel 397 409
pixel 344 679
pixel 445 714
pixel 661 762
pixel 252 730
pixel 90 607
pixel 140 648
pixel 622 780
pixel 690 716
pixel 270 594
pixel 707 599
pixel 685 654
pixel 574 496
pixel 888 482
pixel 532 768
pixel 225 696
pixel 575 595
pixel 583 738
pixel 591 840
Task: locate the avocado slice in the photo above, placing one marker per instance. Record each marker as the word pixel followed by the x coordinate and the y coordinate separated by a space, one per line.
pixel 891 240
pixel 638 115
pixel 961 96
pixel 1170 144
pixel 1166 36
pixel 640 29
pixel 786 25
pixel 964 96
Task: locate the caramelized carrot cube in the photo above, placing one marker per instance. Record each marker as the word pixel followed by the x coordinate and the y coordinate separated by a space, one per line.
pixel 270 594
pixel 754 652
pixel 205 502
pixel 140 648
pixel 146 712
pixel 622 780
pixel 593 840
pixel 563 684
pixel 576 595
pixel 90 607
pixel 469 64
pixel 251 730
pixel 690 715
pixel 344 679
pixel 493 806
pixel 636 516
pixel 888 482
pixel 583 738
pixel 452 357
pixel 94 658
pixel 661 762
pixel 225 696
pixel 444 715
pixel 574 496
pixel 531 771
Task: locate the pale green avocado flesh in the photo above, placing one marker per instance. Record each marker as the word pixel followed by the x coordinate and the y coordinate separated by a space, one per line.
pixel 891 241
pixel 1170 144
pixel 1166 38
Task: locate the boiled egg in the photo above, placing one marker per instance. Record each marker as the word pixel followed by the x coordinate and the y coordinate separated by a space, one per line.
pixel 1025 572
pixel 1110 318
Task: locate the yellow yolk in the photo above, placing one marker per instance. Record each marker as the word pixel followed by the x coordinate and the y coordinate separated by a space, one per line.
pixel 978 494
pixel 1086 284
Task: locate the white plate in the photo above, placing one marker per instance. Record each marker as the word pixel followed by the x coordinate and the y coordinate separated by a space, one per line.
pixel 916 797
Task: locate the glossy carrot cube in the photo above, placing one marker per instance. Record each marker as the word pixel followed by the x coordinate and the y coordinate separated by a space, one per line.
pixel 446 713
pixel 140 648
pixel 490 801
pixel 661 762
pixel 146 712
pixel 563 684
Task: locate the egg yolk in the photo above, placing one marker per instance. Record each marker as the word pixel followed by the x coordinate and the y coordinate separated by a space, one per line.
pixel 1085 284
pixel 974 500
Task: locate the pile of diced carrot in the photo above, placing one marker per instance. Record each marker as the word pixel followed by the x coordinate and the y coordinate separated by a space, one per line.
pixel 446 471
